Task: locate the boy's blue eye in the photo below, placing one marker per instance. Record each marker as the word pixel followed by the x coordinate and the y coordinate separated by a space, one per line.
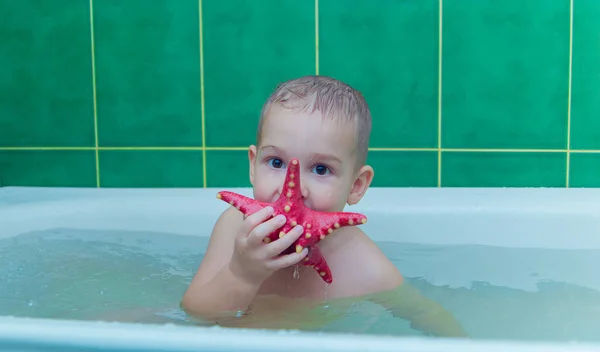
pixel 321 169
pixel 276 163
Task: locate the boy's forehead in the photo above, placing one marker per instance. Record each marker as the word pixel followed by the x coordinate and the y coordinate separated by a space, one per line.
pixel 308 131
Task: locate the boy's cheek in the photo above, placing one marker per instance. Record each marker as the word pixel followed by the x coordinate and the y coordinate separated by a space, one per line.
pixel 327 198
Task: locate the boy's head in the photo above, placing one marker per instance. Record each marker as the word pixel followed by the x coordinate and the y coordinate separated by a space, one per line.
pixel 334 99
pixel 324 123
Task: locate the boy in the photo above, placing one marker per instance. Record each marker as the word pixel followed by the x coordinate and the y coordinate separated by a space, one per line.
pixel 326 125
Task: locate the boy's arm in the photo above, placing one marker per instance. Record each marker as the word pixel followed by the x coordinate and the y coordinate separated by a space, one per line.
pixel 215 291
pixel 424 314
pixel 382 283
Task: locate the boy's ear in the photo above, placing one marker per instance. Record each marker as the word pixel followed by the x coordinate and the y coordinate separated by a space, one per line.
pixel 361 184
pixel 251 159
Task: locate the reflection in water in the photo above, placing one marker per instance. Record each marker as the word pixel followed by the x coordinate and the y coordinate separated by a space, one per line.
pixel 141 277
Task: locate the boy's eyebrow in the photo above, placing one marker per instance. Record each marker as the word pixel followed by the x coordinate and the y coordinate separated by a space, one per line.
pixel 270 147
pixel 326 157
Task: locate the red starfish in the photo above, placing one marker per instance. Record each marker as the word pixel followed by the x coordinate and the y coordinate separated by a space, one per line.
pixel 316 224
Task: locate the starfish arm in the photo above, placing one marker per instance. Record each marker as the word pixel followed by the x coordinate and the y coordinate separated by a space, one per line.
pixel 339 219
pixel 324 223
pixel 246 205
pixel 316 260
pixel 291 186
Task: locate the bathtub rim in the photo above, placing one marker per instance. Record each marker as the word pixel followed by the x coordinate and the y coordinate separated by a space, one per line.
pixel 508 217
pixel 45 333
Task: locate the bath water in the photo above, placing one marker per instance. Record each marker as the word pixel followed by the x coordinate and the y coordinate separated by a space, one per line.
pixel 497 293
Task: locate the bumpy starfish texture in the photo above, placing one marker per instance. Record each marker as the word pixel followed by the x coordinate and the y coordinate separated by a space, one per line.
pixel 316 224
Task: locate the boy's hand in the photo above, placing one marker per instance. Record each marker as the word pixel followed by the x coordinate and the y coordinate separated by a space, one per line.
pixel 253 261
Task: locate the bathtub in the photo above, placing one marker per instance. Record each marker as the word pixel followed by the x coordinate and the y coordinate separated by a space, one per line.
pixel 524 237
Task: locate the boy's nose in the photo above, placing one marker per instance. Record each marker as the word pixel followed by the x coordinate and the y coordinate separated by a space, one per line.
pixel 304 192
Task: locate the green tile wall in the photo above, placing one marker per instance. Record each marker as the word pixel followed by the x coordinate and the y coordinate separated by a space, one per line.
pixel 134 93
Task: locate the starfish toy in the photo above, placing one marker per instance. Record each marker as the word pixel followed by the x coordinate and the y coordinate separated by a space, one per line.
pixel 316 224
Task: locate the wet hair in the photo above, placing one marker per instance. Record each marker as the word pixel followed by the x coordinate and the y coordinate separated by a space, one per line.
pixel 334 99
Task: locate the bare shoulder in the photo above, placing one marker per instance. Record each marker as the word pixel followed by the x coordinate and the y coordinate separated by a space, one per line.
pixel 229 221
pixel 220 245
pixel 358 265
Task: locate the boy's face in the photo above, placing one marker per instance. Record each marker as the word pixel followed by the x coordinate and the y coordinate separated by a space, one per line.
pixel 326 151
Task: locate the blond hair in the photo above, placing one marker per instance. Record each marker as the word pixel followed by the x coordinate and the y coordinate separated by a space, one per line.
pixel 333 98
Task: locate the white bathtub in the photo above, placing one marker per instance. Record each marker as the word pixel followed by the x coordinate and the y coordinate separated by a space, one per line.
pixel 508 218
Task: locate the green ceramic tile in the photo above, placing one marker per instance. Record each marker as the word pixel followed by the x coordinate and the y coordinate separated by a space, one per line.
pixel 585 108
pixel 389 51
pixel 46 74
pixel 250 47
pixel 151 168
pixel 505 73
pixel 227 168
pixel 585 170
pixel 494 169
pixel 47 168
pixel 148 72
pixel 403 169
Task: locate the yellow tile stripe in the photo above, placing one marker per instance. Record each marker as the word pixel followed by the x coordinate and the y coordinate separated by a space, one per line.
pixel 204 149
pixel 201 25
pixel 439 148
pixel 93 52
pixel 317 37
pixel 569 95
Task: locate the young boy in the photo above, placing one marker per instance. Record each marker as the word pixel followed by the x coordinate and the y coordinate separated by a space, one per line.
pixel 326 125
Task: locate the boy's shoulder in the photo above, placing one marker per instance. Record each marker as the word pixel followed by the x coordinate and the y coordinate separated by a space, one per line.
pixel 229 221
pixel 358 264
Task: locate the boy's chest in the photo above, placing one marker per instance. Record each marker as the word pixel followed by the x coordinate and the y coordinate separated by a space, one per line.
pixel 308 284
pixel 303 283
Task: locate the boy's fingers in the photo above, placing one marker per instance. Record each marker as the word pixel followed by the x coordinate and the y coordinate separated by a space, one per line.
pixel 287 260
pixel 257 235
pixel 276 247
pixel 252 221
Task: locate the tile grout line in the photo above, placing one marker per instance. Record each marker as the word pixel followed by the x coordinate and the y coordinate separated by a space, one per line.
pixel 568 168
pixel 203 115
pixel 317 37
pixel 439 148
pixel 93 52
